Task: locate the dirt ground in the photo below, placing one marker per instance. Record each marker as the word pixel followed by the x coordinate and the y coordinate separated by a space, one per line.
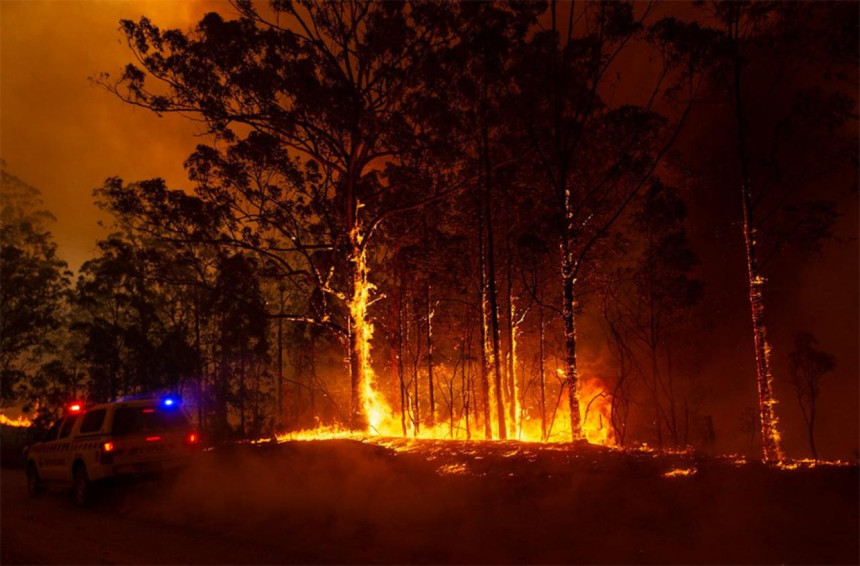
pixel 343 501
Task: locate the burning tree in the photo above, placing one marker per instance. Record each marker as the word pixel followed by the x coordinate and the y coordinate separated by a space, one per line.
pixel 319 114
pixel 787 132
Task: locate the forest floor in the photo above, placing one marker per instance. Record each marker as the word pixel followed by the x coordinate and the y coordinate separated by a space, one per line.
pixel 401 501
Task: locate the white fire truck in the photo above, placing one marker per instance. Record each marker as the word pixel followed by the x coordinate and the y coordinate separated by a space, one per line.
pixel 108 440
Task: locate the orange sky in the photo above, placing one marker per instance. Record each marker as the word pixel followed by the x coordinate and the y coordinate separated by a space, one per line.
pixel 62 134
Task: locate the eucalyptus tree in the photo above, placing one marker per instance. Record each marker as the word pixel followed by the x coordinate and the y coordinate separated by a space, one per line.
pixel 809 364
pixel 319 114
pixel 33 284
pixel 788 79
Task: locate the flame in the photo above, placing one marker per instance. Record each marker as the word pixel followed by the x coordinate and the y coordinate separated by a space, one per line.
pixel 382 420
pixel 452 470
pixel 380 416
pixel 680 473
pixel 595 410
pixel 517 425
pixel 21 421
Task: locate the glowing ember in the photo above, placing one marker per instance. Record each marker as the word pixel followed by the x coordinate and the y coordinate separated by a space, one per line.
pixel 680 472
pixel 452 470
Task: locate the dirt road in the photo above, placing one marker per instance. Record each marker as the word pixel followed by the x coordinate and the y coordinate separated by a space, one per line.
pixel 346 502
pixel 52 530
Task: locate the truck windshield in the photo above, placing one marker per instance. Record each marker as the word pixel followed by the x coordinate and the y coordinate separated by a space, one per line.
pixel 136 420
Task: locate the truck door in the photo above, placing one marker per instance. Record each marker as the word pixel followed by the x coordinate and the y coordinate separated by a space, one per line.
pixel 52 465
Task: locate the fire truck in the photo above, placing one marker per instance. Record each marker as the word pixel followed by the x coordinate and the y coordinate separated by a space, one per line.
pixel 93 444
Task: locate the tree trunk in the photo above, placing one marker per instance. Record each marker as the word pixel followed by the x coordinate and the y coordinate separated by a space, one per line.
pixel 357 418
pixel 491 288
pixel 199 363
pixel 312 376
pixel 513 394
pixel 416 404
pixel 485 363
pixel 568 314
pixel 811 423
pixel 280 373
pixel 467 389
pixel 812 443
pixel 568 277
pixel 399 355
pixel 542 365
pixel 431 418
pixel 764 378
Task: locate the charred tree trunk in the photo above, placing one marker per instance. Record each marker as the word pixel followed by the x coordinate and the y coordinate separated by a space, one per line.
pixel 484 322
pixel 399 356
pixel 431 418
pixel 772 451
pixel 491 285
pixel 568 317
pixel 465 383
pixel 513 396
pixel 542 368
pixel 568 275
pixel 357 311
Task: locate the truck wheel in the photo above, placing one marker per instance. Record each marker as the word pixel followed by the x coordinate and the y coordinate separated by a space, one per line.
pixel 81 486
pixel 34 482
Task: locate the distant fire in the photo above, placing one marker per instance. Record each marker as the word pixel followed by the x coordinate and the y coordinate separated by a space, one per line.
pixel 680 473
pixel 21 421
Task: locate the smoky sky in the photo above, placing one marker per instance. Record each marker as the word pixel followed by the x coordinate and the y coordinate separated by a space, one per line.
pixel 64 136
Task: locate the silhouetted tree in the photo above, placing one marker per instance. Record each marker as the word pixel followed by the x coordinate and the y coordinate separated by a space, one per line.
pixel 785 134
pixel 593 156
pixel 33 283
pixel 808 365
pixel 649 312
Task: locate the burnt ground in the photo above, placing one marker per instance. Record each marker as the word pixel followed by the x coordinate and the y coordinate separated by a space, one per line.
pixel 344 501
